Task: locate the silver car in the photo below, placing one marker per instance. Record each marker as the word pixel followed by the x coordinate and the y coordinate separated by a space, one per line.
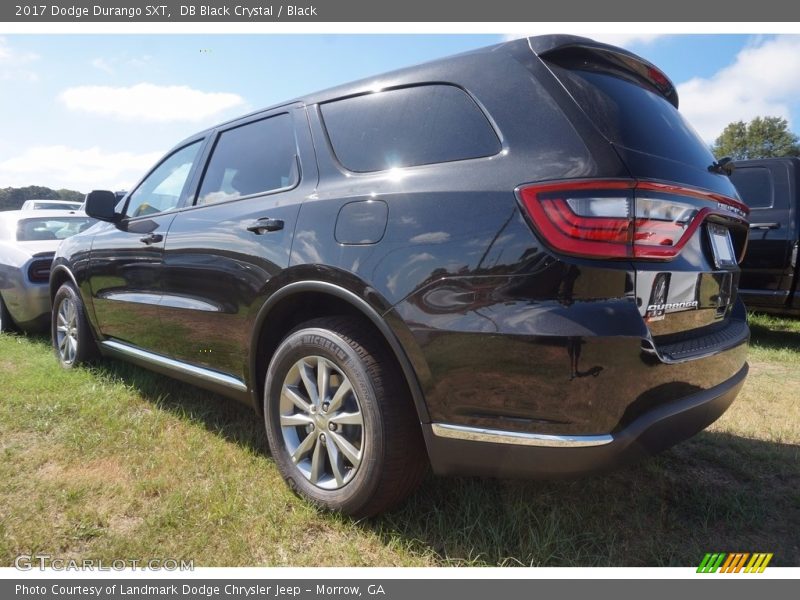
pixel 28 240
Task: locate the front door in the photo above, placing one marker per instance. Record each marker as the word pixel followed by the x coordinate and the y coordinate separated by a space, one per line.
pixel 126 257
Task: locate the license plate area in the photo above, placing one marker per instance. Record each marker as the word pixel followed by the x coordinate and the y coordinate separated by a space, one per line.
pixel 721 246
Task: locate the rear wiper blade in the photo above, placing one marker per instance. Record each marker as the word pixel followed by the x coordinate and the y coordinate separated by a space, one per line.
pixel 724 166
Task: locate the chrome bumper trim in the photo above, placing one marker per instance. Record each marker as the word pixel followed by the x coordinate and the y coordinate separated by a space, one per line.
pixel 518 438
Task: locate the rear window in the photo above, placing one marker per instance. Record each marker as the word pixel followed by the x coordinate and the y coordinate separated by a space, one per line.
pixel 51 228
pixel 754 185
pixel 630 115
pixel 408 127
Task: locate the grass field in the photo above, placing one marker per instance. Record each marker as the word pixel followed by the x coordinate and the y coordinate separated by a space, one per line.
pixel 113 462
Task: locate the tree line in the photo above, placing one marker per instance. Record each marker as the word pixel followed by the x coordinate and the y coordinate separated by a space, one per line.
pixel 12 198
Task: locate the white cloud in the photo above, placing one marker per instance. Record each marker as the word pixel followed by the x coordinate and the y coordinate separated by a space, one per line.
pixel 13 63
pixel 103 65
pixel 761 81
pixel 110 65
pixel 75 168
pixel 149 102
pixel 623 40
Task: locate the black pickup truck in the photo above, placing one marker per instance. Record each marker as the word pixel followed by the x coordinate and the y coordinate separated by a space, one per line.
pixel 771 188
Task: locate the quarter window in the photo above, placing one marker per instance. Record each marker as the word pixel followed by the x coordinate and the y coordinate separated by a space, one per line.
pixel 407 127
pixel 163 188
pixel 254 158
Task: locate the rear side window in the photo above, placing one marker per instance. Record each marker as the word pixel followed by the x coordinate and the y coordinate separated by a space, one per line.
pixel 408 127
pixel 754 185
pixel 51 228
pixel 630 115
pixel 254 158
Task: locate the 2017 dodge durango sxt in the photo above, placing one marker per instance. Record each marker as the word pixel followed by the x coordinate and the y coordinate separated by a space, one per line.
pixel 515 261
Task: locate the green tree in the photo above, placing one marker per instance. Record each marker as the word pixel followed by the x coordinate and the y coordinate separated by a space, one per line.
pixel 763 137
pixel 12 198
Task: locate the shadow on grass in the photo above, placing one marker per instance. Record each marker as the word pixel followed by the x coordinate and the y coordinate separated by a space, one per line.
pixel 225 417
pixel 715 492
pixel 776 339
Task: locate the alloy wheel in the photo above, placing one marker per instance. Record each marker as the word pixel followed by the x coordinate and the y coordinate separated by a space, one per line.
pixel 321 422
pixel 67 331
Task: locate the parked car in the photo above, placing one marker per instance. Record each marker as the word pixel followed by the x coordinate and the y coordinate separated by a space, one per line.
pixel 771 188
pixel 511 262
pixel 51 205
pixel 28 240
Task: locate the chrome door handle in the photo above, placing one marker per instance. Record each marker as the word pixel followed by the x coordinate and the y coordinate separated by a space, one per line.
pixel 765 225
pixel 151 238
pixel 265 224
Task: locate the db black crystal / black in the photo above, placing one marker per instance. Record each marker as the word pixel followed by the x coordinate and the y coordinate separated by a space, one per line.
pixel 511 262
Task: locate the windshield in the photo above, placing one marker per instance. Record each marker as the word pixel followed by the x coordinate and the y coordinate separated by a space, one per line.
pixel 51 228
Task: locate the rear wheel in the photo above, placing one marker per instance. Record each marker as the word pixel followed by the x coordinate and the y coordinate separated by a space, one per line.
pixel 72 339
pixel 341 425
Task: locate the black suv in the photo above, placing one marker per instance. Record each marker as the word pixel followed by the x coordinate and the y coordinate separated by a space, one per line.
pixel 515 261
pixel 770 273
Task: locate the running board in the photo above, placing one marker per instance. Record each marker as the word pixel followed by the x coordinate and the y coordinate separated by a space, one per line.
pixel 176 366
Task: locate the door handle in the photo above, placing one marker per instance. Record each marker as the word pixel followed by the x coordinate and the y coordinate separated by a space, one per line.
pixel 151 238
pixel 764 225
pixel 265 224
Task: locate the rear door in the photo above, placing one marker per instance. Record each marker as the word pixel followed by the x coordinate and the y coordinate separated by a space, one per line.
pixel 224 249
pixel 768 271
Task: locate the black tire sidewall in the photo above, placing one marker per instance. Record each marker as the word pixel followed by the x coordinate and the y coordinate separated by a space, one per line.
pixel 327 344
pixel 85 339
pixel 5 317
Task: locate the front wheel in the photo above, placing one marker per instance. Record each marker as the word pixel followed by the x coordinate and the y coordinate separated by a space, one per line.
pixel 341 425
pixel 72 339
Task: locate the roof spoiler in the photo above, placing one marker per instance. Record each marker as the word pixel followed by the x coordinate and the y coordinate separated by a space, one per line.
pixel 555 47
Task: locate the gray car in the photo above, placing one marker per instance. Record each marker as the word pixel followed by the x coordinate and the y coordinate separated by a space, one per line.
pixel 51 205
pixel 28 241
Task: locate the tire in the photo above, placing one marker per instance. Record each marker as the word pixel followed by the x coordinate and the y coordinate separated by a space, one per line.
pixel 72 338
pixel 6 324
pixel 360 450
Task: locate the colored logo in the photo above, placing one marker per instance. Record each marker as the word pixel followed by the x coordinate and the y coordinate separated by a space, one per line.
pixel 734 562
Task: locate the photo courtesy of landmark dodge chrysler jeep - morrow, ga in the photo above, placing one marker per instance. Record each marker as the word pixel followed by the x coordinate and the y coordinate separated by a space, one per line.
pixel 518 261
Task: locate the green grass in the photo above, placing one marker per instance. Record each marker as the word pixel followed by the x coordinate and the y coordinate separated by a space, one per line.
pixel 115 462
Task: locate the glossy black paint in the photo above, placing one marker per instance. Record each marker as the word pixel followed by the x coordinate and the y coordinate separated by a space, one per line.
pixel 770 272
pixel 490 327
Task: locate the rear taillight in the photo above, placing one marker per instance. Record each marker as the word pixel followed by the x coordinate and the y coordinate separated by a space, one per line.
pixel 39 270
pixel 621 218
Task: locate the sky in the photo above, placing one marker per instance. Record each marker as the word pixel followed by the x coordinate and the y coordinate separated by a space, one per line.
pixel 89 111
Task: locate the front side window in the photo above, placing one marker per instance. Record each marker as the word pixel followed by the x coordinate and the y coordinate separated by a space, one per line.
pixel 162 189
pixel 254 158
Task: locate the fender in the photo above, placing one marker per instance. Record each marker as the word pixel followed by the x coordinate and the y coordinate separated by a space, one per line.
pixel 364 308
pixel 88 302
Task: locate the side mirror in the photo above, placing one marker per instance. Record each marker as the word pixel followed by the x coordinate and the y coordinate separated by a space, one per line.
pixel 100 204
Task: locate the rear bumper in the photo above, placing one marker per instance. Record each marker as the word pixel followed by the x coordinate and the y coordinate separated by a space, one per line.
pixel 462 450
pixel 28 303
